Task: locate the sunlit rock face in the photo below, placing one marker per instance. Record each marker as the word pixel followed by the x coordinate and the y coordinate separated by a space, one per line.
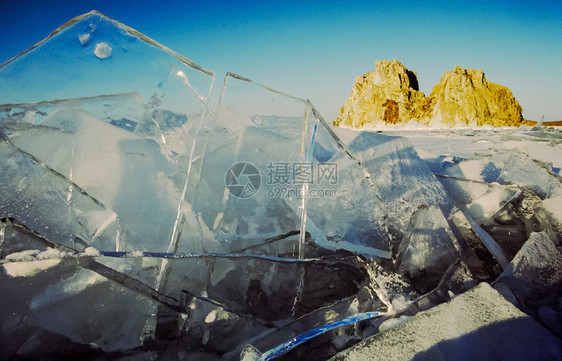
pixel 465 96
pixel 390 95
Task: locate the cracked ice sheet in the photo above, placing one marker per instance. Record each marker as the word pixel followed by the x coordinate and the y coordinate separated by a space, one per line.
pixel 38 197
pixel 483 185
pixel 132 150
pixel 51 296
pixel 212 280
pixel 403 181
pixel 466 183
pixel 137 63
pixel 115 151
pixel 112 165
pixel 42 289
pixel 280 136
pixel 439 147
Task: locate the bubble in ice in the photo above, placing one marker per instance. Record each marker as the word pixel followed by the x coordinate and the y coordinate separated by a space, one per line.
pixel 103 50
pixel 84 38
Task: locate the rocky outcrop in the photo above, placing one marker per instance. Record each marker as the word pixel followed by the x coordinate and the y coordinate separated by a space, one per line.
pixel 465 96
pixel 390 95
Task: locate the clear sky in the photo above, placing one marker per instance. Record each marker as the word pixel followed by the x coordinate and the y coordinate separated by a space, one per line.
pixel 315 49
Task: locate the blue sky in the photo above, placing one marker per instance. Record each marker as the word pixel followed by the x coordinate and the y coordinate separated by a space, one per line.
pixel 315 49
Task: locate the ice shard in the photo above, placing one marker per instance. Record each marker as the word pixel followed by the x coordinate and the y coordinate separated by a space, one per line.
pixel 57 208
pixel 208 297
pixel 473 185
pixel 69 64
pixel 117 115
pixel 497 192
pixel 50 298
pixel 178 178
pixel 272 165
pixel 403 182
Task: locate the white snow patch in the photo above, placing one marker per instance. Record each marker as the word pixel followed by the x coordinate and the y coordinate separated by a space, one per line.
pixel 28 269
pixel 52 253
pixel 28 255
pixel 400 303
pixel 37 255
pixel 91 251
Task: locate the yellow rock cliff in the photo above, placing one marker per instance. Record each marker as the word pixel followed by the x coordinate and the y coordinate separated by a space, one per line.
pixel 390 95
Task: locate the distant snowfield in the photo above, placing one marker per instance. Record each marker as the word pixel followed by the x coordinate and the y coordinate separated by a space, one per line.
pixel 524 156
pixel 434 145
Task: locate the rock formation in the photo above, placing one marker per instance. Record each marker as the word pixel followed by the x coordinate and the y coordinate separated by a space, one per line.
pixel 465 96
pixel 390 95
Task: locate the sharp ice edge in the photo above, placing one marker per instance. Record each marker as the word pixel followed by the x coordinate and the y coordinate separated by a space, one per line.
pixel 123 27
pixel 489 242
pixel 42 103
pixel 91 252
pixel 307 159
pixel 2 237
pixel 180 219
pixel 300 288
pixel 105 224
pixel 182 255
pixel 294 342
pixel 302 234
pixel 72 186
pixel 59 175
